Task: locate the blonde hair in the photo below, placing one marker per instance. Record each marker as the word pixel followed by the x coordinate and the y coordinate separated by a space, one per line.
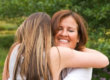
pixel 34 36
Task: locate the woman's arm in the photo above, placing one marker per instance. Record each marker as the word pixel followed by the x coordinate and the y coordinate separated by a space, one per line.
pixel 67 57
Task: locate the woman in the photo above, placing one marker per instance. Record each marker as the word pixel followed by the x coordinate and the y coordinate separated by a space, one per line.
pixel 69 30
pixel 31 63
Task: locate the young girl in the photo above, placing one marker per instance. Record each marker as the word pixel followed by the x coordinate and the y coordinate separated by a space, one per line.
pixel 27 60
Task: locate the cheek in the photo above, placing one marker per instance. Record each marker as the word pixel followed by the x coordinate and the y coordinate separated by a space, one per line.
pixel 74 41
pixel 74 38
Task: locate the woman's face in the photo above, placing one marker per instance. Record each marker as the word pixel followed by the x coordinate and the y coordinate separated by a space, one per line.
pixel 67 33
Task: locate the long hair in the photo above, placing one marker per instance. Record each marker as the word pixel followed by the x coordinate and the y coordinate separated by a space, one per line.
pixel 35 36
pixel 18 40
pixel 82 32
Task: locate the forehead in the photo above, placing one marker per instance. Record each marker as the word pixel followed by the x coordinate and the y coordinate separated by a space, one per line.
pixel 69 21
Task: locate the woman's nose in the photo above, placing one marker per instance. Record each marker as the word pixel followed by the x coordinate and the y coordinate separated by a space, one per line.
pixel 64 33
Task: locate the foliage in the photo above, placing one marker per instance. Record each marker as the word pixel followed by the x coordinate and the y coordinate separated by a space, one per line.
pixel 6 40
pixel 7 26
pixel 99 40
pixel 96 13
pixel 3 53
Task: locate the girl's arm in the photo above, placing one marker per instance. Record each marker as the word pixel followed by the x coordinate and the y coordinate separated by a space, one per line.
pixel 87 58
pixel 66 57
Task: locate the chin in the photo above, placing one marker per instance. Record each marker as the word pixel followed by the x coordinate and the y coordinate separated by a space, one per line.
pixel 63 45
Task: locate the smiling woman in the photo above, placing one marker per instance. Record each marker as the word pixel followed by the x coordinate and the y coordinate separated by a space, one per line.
pixel 69 30
pixel 67 33
pixel 70 24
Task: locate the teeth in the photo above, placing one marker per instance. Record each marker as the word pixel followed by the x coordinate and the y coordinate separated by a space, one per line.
pixel 64 40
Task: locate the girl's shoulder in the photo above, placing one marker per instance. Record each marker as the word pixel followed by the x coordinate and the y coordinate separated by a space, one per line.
pixel 12 60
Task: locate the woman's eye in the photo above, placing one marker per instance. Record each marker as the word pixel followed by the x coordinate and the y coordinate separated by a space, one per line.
pixel 71 30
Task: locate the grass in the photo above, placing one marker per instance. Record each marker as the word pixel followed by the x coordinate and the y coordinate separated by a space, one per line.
pixel 3 54
pixel 7 26
pixel 7 32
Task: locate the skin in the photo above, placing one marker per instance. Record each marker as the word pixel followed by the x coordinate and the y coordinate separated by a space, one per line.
pixel 67 34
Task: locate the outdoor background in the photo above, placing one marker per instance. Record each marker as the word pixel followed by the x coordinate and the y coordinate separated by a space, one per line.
pixel 95 12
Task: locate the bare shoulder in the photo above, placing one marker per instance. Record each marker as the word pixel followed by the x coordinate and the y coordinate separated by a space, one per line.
pixel 59 51
pixel 54 56
pixel 54 61
pixel 53 53
pixel 59 55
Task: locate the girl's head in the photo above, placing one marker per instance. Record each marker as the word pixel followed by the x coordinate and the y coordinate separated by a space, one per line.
pixel 69 29
pixel 34 34
pixel 33 25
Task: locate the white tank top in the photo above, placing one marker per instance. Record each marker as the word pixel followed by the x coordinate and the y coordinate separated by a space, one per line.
pixel 12 63
pixel 78 74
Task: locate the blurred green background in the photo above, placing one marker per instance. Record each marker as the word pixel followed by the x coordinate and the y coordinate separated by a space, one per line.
pixel 95 12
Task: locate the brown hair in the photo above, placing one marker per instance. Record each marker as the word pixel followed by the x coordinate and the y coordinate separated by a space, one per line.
pixel 82 32
pixel 34 37
pixel 18 40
